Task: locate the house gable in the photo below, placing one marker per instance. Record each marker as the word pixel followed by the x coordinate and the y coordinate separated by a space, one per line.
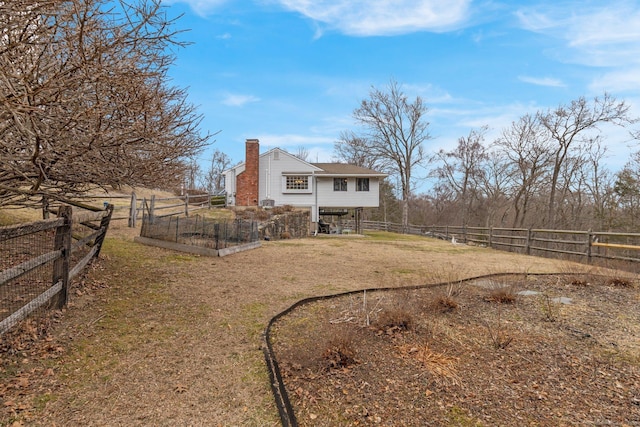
pixel 284 179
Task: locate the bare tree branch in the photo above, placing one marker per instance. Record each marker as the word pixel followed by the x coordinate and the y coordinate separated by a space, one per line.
pixel 396 132
pixel 85 99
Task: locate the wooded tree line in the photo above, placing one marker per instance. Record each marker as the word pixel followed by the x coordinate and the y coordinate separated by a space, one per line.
pixel 86 100
pixel 545 170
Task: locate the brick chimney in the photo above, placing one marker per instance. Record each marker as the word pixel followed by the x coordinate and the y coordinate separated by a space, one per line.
pixel 247 181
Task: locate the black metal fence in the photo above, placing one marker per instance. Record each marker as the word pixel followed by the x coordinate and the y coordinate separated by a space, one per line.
pixel 39 260
pixel 200 231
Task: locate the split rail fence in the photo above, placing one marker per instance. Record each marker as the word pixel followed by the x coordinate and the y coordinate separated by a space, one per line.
pixel 39 260
pixel 131 207
pixel 583 246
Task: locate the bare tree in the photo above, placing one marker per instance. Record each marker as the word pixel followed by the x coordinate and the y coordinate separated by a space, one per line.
pixel 355 150
pixel 214 177
pixel 86 101
pixel 461 169
pixel 567 124
pixel 396 131
pixel 493 183
pixel 192 174
pixel 302 153
pixel 574 209
pixel 526 146
pixel 599 184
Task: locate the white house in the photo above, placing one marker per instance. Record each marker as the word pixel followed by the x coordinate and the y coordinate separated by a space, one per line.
pixel 277 178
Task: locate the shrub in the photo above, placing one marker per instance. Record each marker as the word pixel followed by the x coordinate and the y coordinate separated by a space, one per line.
pixel 501 295
pixel 578 281
pixel 620 282
pixel 393 320
pixel 445 304
pixel 340 353
pixel 277 210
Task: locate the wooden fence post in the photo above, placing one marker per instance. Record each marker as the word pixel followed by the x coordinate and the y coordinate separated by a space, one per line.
pixel 186 205
pixel 589 241
pixel 45 207
pixel 151 209
pixel 133 210
pixel 62 243
pixel 104 226
pixel 491 237
pixel 528 242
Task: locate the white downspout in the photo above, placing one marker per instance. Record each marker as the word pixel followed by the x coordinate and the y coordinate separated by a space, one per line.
pixel 268 178
pixel 316 209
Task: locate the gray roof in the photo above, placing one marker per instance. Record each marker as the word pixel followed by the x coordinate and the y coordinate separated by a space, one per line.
pixel 343 169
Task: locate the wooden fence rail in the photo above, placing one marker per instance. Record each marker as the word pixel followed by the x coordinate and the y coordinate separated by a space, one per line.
pixel 66 259
pixel 132 211
pixel 583 245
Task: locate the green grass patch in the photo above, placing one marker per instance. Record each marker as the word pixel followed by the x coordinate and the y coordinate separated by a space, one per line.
pixel 177 258
pixel 254 318
pixel 459 418
pixel 41 400
pixel 386 236
pixel 141 311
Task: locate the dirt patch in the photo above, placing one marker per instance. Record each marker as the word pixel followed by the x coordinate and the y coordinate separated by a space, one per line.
pixel 541 350
pixel 155 337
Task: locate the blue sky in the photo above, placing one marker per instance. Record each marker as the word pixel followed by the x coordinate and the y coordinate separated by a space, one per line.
pixel 291 72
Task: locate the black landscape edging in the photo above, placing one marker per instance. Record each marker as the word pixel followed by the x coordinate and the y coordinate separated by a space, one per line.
pixel 287 415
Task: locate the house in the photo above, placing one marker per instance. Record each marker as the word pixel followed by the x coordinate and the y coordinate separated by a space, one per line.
pixel 277 178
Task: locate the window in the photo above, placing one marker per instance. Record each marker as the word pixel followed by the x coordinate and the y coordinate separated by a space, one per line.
pixel 362 184
pixel 297 182
pixel 339 184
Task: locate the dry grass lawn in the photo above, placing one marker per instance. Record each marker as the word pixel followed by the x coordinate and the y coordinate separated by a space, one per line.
pixel 155 337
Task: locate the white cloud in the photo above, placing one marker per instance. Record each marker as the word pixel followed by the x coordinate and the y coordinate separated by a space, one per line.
pixel 238 100
pixel 542 81
pixel 430 93
pixel 617 81
pixel 607 35
pixel 383 17
pixel 614 24
pixel 453 123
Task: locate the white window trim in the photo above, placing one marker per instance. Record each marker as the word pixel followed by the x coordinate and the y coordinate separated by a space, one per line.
pixel 307 190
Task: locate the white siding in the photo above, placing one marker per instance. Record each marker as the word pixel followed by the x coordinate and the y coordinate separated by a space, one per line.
pixel 276 164
pixel 272 185
pixel 347 199
pixel 230 183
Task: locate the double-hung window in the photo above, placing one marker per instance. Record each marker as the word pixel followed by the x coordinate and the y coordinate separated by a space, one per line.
pixel 362 184
pixel 339 184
